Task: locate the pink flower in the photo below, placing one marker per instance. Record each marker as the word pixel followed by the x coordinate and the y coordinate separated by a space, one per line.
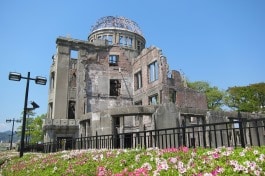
pixel 173 160
pixel 216 155
pixel 147 166
pixel 140 172
pixel 101 171
pixel 184 149
pixel 257 172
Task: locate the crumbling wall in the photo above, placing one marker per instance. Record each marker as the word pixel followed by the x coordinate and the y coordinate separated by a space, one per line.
pixel 149 88
pixel 187 97
pixel 98 74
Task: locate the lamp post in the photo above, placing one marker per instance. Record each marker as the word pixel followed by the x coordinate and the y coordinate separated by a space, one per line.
pixel 38 80
pixel 8 121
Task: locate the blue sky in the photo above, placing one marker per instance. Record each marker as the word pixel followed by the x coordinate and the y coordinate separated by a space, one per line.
pixel 218 41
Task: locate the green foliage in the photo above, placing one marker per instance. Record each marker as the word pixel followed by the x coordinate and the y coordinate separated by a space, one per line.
pixel 35 129
pixel 34 132
pixel 213 94
pixel 247 98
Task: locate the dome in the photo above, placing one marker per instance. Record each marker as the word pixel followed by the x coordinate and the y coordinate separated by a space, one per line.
pixel 111 22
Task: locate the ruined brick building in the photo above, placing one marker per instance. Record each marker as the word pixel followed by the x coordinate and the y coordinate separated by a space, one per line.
pixel 111 83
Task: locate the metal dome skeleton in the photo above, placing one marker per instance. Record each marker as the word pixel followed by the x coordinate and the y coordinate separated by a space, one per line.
pixel 110 22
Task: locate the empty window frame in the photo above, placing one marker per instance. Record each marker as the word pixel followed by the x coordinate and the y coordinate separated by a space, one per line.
pixel 50 111
pixel 52 80
pixel 138 80
pixel 172 95
pixel 116 122
pixel 153 71
pixel 129 41
pixel 71 110
pixel 153 100
pixel 193 120
pixel 125 41
pixel 122 40
pixel 109 38
pixel 113 60
pixel 138 45
pixel 73 54
pixel 138 102
pixel 115 86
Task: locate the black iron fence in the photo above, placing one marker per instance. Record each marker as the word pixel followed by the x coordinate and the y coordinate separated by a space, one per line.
pixel 239 133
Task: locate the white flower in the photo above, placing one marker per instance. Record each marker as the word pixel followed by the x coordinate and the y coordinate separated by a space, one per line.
pixel 147 166
pixel 256 152
pixel 54 169
pixel 257 172
pixel 242 154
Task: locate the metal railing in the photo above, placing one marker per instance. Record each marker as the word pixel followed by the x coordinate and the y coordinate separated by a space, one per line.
pixel 241 133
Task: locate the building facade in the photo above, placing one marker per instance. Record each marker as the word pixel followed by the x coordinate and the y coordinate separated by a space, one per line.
pixel 111 83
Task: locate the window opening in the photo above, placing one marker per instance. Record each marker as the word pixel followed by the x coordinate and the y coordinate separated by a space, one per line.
pixel 138 80
pixel 121 40
pixel 138 45
pixel 130 41
pixel 172 95
pixel 50 110
pixel 153 100
pixel 110 39
pixel 138 102
pixel 153 71
pixel 73 79
pixel 73 54
pixel 88 122
pixel 84 108
pixel 193 120
pixel 52 80
pixel 115 86
pixel 71 110
pixel 117 122
pixel 113 60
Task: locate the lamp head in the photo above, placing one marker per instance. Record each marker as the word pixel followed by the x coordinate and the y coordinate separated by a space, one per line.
pixel 35 105
pixel 40 80
pixel 14 76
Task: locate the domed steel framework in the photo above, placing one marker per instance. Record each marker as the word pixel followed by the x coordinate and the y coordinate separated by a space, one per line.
pixel 117 22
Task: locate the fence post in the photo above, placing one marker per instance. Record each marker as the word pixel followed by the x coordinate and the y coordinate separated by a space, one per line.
pixel 203 133
pixel 241 130
pixel 257 132
pixel 144 138
pixel 96 140
pixel 81 142
pixel 183 133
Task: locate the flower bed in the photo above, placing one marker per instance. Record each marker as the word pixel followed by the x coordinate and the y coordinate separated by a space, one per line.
pixel 136 162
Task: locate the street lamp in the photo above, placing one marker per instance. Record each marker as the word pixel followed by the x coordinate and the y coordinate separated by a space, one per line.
pixel 9 121
pixel 14 76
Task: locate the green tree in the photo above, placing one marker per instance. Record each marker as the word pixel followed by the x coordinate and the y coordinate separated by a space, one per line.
pixel 213 94
pixel 35 129
pixel 29 120
pixel 249 98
